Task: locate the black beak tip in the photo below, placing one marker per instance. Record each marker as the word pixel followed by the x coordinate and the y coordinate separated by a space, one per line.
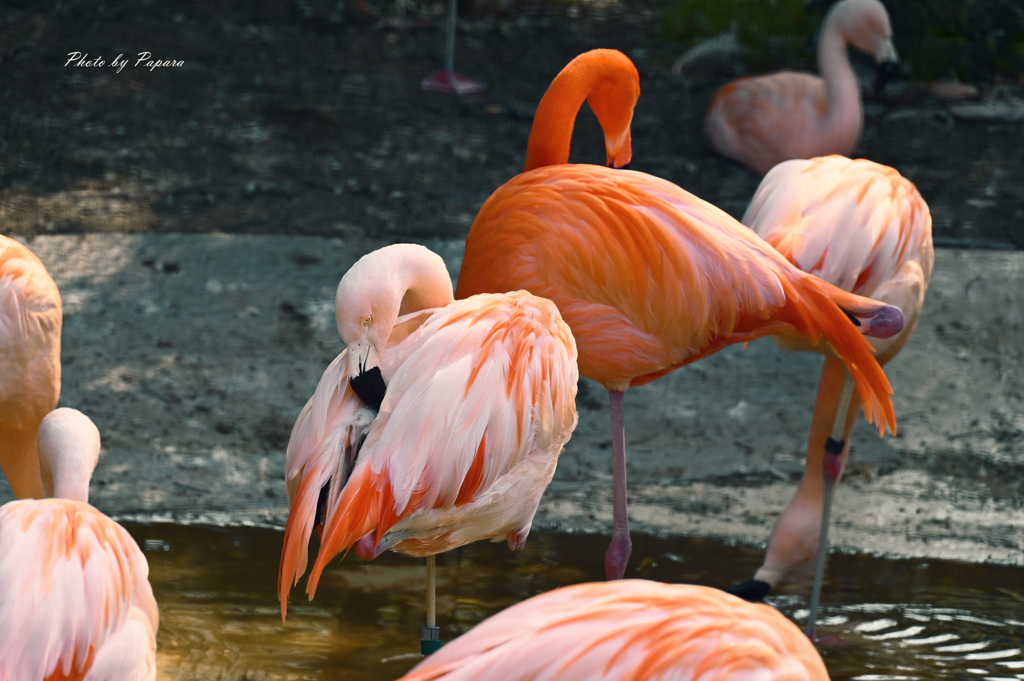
pixel 753 590
pixel 886 70
pixel 369 386
pixel 622 167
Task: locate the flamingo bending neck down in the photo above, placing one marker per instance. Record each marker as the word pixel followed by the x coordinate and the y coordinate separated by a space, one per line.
pixel 865 228
pixel 478 399
pixel 30 326
pixel 648 277
pixel 763 121
pixel 75 599
pixel 630 630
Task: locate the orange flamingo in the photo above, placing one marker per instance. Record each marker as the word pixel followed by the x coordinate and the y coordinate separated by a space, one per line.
pixel 763 121
pixel 648 277
pixel 863 227
pixel 75 599
pixel 30 325
pixel 479 401
pixel 631 630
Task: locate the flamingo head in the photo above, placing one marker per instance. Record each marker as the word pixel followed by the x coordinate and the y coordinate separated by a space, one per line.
pixel 69 448
pixel 613 101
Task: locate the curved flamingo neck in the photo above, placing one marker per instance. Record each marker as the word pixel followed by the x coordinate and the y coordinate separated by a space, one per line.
pixel 553 123
pixel 844 110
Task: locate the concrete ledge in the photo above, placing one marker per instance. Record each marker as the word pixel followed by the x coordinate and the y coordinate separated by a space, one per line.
pixel 194 354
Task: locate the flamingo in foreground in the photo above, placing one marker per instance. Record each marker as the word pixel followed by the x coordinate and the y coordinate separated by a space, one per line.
pixel 30 325
pixel 763 121
pixel 75 599
pixel 631 630
pixel 648 277
pixel 439 425
pixel 863 227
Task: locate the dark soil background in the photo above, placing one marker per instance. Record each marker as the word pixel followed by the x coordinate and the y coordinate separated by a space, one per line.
pixel 305 117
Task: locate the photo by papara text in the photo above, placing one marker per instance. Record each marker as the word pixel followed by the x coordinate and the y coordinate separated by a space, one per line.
pixel 145 60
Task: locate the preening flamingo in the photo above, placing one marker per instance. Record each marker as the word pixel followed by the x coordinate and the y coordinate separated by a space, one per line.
pixel 631 630
pixel 30 325
pixel 763 121
pixel 75 599
pixel 648 277
pixel 479 401
pixel 863 227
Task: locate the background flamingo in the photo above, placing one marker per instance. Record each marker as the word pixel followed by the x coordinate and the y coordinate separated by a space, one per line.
pixel 763 121
pixel 75 600
pixel 863 227
pixel 632 629
pixel 647 276
pixel 30 325
pixel 480 400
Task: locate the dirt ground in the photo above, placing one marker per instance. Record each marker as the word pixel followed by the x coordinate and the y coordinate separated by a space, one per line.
pixel 197 219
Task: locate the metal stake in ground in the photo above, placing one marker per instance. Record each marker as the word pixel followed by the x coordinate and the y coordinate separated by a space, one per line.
pixel 430 639
pixel 831 468
pixel 447 80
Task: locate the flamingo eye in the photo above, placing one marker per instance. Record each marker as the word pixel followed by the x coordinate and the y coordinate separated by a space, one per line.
pixel 367 320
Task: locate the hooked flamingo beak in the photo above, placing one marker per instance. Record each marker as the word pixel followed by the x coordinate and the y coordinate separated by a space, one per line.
pixel 753 590
pixel 619 150
pixel 364 373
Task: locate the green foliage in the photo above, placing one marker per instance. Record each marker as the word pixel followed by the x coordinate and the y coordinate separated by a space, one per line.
pixel 974 39
pixel 776 31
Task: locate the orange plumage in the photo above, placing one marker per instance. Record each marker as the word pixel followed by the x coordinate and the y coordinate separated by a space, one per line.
pixel 649 277
pixel 630 630
pixel 480 401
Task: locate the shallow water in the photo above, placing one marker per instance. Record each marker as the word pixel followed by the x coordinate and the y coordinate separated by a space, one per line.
pixel 220 619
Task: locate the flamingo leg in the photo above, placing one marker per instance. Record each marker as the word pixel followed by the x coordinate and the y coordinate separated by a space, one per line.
pixel 832 468
pixel 430 638
pixel 617 556
pixel 446 80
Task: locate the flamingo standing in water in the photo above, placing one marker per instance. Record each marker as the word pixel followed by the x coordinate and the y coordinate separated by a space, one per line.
pixel 631 630
pixel 75 599
pixel 648 277
pixel 30 325
pixel 439 425
pixel 865 228
pixel 763 121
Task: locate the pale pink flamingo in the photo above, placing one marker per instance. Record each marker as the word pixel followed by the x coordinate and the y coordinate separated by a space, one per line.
pixel 479 401
pixel 766 120
pixel 866 229
pixel 648 277
pixel 30 325
pixel 630 630
pixel 75 599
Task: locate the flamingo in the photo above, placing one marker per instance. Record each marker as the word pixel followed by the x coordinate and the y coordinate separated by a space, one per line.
pixel 865 228
pixel 648 277
pixel 30 325
pixel 632 630
pixel 75 599
pixel 763 121
pixel 439 425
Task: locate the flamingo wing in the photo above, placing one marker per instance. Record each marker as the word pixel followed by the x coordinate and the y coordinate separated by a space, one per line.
pixel 74 591
pixel 856 224
pixel 30 324
pixel 631 629
pixel 763 121
pixel 805 210
pixel 468 433
pixel 650 277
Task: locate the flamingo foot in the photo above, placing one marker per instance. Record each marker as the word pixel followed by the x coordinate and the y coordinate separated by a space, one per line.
pixel 452 83
pixel 617 556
